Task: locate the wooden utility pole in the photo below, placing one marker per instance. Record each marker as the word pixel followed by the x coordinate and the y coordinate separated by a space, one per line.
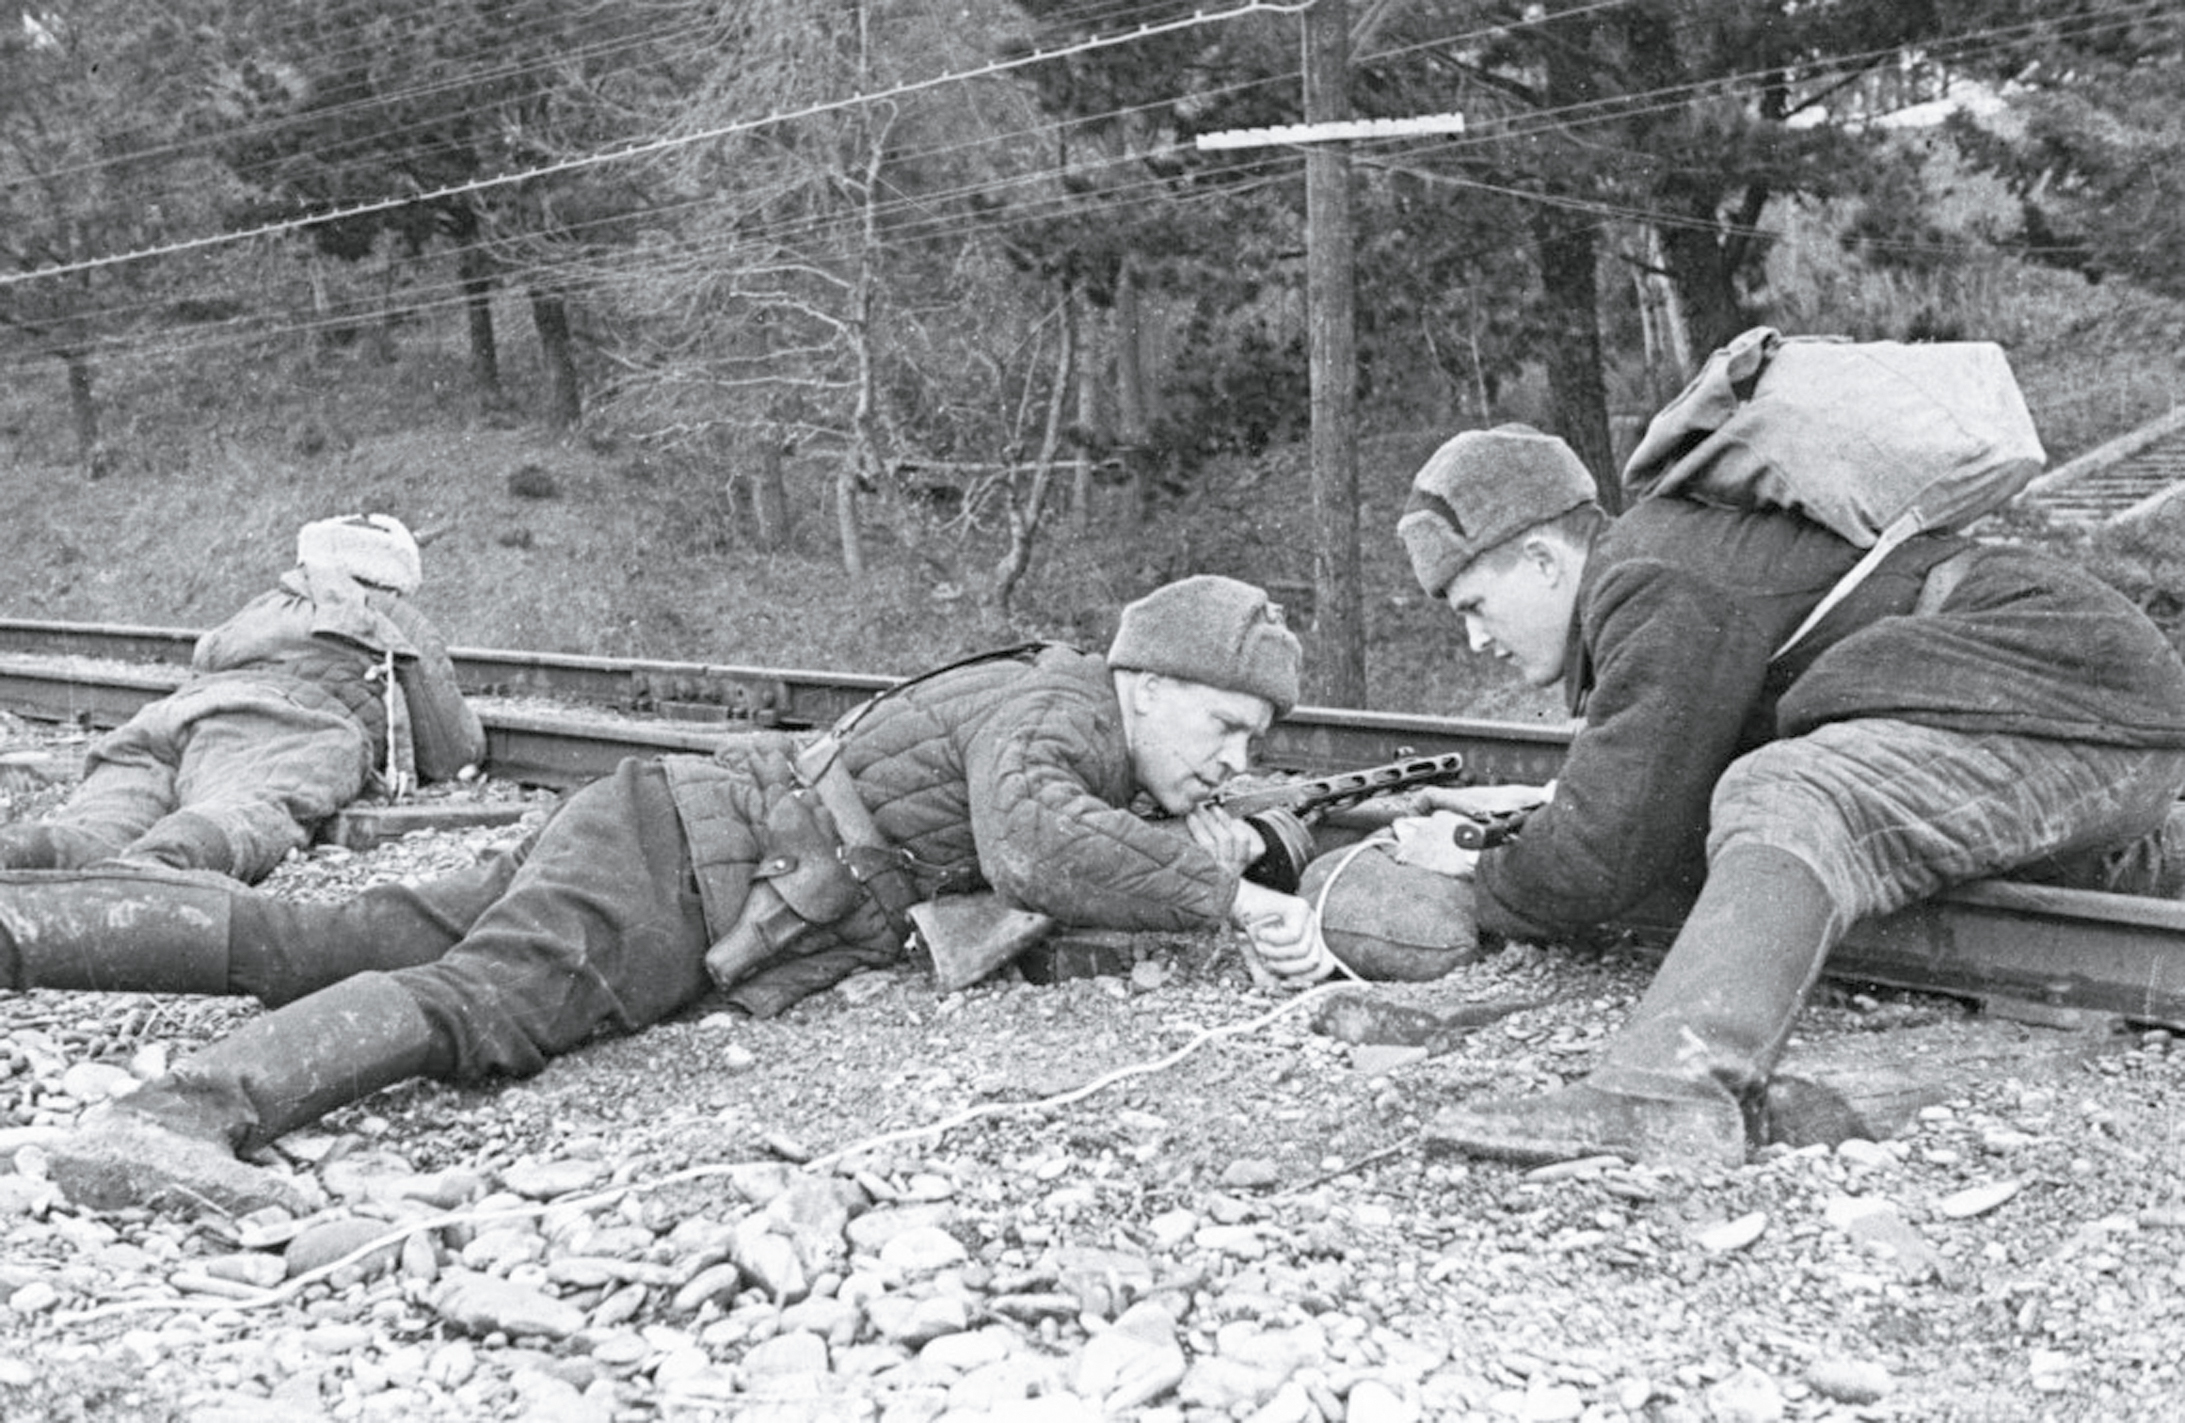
pixel 1339 623
pixel 1339 617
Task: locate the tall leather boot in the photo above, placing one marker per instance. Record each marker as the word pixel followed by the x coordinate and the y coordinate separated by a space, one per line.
pixel 280 950
pixel 1681 1082
pixel 115 932
pixel 173 1143
pixel 43 845
pixel 122 930
pixel 186 840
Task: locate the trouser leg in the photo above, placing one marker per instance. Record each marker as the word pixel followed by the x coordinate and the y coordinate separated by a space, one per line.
pixel 601 929
pixel 128 784
pixel 2152 866
pixel 1889 813
pixel 255 780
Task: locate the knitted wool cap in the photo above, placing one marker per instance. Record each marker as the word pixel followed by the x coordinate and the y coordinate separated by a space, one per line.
pixel 1215 631
pixel 371 548
pixel 1481 489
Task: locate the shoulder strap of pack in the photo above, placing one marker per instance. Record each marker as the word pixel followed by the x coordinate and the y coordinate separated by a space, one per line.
pixel 1906 525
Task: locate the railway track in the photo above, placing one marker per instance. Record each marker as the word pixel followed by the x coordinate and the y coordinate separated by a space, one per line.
pixel 2030 951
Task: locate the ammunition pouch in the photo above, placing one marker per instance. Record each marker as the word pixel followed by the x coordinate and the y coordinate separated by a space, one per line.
pixel 829 898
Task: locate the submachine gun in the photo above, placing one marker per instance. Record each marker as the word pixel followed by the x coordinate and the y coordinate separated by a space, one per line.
pixel 970 935
pixel 1284 811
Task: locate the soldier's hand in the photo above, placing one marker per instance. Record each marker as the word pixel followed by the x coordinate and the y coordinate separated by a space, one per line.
pixel 1283 945
pixel 1225 837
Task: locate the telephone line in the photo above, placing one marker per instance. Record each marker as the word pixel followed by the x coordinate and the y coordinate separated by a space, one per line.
pixel 1993 35
pixel 944 223
pixel 211 142
pixel 1567 115
pixel 1197 20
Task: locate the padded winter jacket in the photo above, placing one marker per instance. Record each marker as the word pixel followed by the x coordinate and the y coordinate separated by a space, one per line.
pixel 1010 774
pixel 1680 610
pixel 330 633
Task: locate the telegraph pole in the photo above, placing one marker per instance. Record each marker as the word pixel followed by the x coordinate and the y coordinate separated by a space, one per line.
pixel 1339 622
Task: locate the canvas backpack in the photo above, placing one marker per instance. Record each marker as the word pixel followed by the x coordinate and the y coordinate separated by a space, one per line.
pixel 1876 440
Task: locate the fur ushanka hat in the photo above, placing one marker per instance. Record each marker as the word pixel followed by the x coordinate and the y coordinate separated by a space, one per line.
pixel 1484 488
pixel 371 548
pixel 1215 631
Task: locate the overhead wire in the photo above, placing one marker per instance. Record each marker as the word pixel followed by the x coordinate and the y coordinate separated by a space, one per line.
pixel 639 149
pixel 382 102
pixel 336 63
pixel 1563 118
pixel 948 222
pixel 1660 100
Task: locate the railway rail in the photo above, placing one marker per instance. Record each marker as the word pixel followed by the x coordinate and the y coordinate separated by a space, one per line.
pixel 2031 951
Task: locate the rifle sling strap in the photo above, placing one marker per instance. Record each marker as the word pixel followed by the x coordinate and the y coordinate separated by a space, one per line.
pixel 883 870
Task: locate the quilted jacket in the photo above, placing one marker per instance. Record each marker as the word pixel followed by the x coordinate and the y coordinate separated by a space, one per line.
pixel 328 633
pixel 1010 774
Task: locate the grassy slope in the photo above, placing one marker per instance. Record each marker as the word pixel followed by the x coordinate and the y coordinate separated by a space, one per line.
pixel 219 463
pixel 212 479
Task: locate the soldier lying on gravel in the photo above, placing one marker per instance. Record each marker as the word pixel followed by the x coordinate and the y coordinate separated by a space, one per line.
pixel 1971 710
pixel 295 704
pixel 773 868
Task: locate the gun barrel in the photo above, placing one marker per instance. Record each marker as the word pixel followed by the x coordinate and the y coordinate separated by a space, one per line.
pixel 1321 793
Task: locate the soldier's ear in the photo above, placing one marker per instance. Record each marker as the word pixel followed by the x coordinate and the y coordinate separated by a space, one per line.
pixel 1554 559
pixel 1133 691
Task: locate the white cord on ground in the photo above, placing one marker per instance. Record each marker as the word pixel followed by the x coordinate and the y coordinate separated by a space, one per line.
pixel 289 1289
pixel 1320 901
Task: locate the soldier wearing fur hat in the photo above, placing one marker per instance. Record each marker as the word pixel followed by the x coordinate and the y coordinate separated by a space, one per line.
pixel 771 869
pixel 327 684
pixel 1969 710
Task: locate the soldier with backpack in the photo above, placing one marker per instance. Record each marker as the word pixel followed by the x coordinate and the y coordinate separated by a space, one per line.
pixel 1961 710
